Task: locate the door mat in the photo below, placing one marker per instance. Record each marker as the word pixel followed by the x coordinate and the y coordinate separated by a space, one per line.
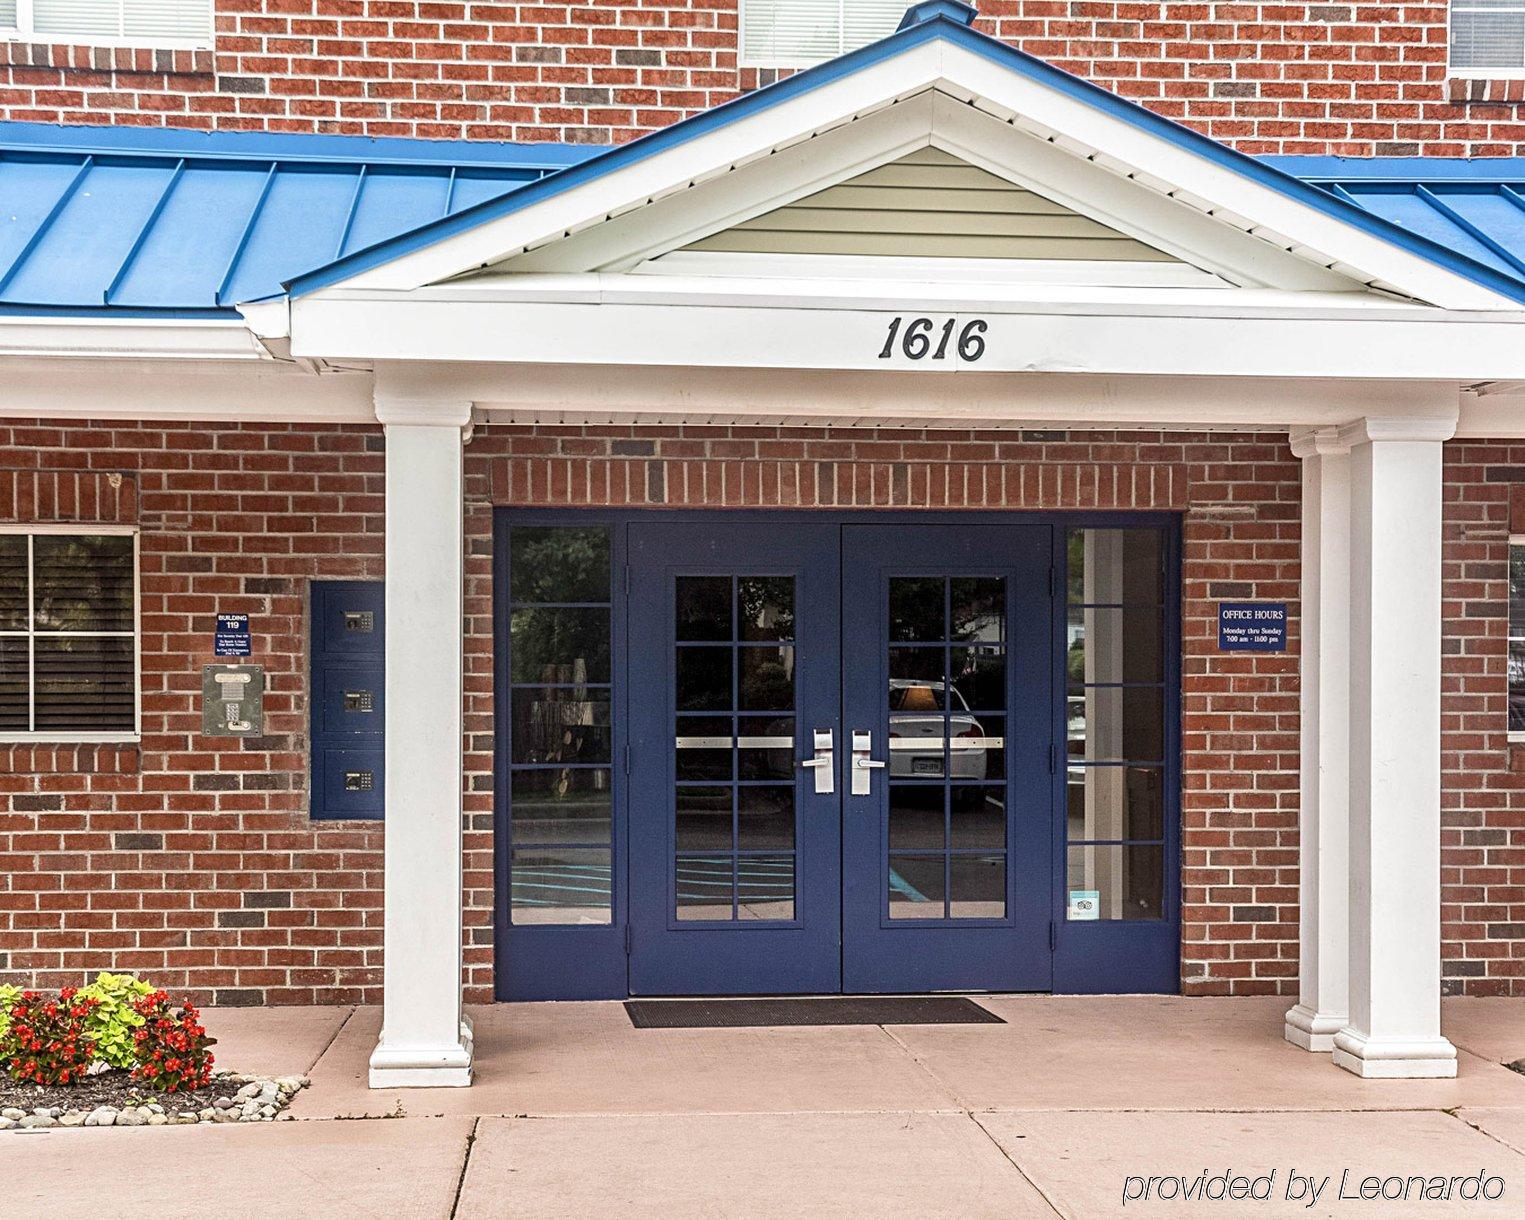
pixel 811 1010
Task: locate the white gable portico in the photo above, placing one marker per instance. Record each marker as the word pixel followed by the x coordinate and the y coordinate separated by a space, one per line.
pixel 940 229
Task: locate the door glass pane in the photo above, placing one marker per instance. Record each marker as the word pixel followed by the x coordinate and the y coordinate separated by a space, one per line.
pixel 944 710
pixel 705 887
pixel 560 885
pixel 977 886
pixel 734 806
pixel 555 805
pixel 765 887
pixel 559 563
pixel 552 724
pixel 552 644
pixel 1122 802
pixel 917 887
pixel 1116 881
pixel 917 817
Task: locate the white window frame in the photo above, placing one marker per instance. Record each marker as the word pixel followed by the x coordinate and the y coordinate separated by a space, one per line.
pixel 1515 735
pixel 23 31
pixel 768 61
pixel 1460 73
pixel 120 736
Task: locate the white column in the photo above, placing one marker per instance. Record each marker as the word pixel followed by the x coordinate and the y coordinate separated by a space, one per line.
pixel 424 1040
pixel 1395 572
pixel 1323 994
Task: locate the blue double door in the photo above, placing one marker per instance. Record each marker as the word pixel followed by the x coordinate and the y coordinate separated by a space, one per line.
pixel 841 749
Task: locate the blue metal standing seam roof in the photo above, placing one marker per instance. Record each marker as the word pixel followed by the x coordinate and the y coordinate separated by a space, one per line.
pixel 192 223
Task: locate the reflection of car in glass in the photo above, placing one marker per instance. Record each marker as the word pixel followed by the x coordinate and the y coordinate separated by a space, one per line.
pixel 916 733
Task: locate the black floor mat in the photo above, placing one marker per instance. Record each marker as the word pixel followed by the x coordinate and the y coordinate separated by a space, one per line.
pixel 809 1010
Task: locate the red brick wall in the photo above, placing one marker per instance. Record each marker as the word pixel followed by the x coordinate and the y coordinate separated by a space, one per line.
pixel 187 859
pixel 1349 79
pixel 199 867
pixel 1483 836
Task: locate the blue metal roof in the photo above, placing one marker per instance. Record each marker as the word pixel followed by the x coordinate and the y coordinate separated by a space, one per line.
pixel 190 222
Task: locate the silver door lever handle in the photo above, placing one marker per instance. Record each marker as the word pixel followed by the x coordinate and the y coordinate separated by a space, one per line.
pixel 862 764
pixel 821 763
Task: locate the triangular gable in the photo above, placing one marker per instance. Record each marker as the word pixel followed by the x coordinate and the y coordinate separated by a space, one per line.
pixel 973 79
pixel 930 204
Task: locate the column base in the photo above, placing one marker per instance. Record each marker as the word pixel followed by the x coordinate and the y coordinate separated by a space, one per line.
pixel 423 1067
pixel 1394 1058
pixel 1312 1030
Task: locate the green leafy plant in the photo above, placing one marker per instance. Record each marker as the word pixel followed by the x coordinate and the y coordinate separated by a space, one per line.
pixel 171 1047
pixel 8 996
pixel 114 1020
pixel 46 1042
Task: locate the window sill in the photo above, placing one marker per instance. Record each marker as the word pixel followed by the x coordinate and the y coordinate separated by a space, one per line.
pixel 70 739
pixel 1488 89
pixel 15 37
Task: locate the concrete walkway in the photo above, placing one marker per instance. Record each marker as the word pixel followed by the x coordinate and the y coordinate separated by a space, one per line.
pixel 1063 1110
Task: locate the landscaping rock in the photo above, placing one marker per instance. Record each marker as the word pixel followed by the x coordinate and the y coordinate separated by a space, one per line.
pixel 130 1118
pixel 13 1114
pixel 39 1120
pixel 6 1123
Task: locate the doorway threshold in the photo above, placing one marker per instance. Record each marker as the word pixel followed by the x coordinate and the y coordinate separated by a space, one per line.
pixel 756 1012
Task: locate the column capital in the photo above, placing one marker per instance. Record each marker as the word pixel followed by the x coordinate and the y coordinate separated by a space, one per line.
pixel 427 412
pixel 1318 442
pixel 1398 428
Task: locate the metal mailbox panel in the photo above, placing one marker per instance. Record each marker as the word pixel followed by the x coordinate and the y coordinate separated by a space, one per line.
pixel 348 699
pixel 348 617
pixel 353 782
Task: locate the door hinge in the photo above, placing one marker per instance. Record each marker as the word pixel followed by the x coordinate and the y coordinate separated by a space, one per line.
pixel 627 940
pixel 1053 937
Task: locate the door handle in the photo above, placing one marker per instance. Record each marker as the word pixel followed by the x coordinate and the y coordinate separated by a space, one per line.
pixel 821 764
pixel 862 763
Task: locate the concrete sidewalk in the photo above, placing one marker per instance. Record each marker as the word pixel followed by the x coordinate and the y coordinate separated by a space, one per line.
pixel 1059 1112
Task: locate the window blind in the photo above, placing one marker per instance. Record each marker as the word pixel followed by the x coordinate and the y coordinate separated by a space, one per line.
pixel 68 633
pixel 790 33
pixel 1488 34
pixel 142 21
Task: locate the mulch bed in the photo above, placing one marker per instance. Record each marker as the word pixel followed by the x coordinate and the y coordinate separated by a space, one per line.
pixel 115 1088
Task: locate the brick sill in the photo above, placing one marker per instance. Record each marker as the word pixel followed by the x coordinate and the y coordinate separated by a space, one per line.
pixel 95 57
pixel 1465 90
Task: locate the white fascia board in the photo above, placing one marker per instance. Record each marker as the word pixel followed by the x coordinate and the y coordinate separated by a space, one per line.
pixel 1176 170
pixel 579 394
pixel 209 391
pixel 1035 337
pixel 695 160
pixel 119 338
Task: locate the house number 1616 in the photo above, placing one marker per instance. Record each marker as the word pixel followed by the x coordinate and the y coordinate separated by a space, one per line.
pixel 916 340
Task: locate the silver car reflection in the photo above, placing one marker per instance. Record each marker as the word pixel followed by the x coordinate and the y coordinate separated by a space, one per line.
pixel 916 733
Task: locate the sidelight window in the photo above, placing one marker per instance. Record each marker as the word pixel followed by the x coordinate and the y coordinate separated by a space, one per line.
pixel 560 749
pixel 1115 724
pixel 68 634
